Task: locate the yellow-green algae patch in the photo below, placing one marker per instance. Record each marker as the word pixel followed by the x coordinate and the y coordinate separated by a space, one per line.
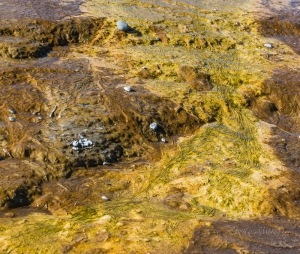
pixel 222 169
pixel 118 227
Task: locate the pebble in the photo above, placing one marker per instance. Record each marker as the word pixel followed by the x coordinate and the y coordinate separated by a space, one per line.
pixel 11 111
pixel 127 88
pixel 81 144
pixel 163 140
pixel 268 45
pixel 123 26
pixel 75 143
pixel 11 118
pixel 86 142
pixel 153 126
pixel 105 198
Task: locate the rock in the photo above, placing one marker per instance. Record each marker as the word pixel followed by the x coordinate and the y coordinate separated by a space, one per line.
pixel 11 119
pixel 123 26
pixel 105 198
pixel 127 88
pixel 153 126
pixel 268 45
pixel 11 111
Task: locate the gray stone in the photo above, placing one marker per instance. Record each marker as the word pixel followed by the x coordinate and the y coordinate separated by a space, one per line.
pixel 11 118
pixel 153 126
pixel 122 25
pixel 268 45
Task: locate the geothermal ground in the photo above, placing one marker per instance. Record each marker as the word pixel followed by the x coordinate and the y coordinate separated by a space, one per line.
pixel 179 135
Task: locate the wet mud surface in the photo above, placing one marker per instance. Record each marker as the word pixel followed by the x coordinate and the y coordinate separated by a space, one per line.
pixel 268 235
pixel 16 10
pixel 176 137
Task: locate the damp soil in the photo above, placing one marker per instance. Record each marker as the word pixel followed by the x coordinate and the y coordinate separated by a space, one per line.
pixel 265 235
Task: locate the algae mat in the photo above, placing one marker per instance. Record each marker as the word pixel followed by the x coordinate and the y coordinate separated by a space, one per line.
pixel 207 64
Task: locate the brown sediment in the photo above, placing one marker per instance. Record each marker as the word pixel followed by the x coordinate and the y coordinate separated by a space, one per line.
pixel 284 26
pixel 264 235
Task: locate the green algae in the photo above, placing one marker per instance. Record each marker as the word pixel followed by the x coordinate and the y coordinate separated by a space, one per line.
pixel 214 167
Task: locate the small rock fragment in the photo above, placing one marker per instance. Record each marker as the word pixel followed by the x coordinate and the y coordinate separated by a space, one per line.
pixel 122 26
pixel 163 140
pixel 105 198
pixel 75 143
pixel 268 45
pixel 86 142
pixel 11 118
pixel 81 144
pixel 153 126
pixel 11 111
pixel 127 88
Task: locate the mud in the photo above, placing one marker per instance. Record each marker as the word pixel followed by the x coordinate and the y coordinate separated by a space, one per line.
pixel 16 10
pixel 266 235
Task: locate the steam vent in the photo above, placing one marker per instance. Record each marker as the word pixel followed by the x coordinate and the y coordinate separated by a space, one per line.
pixel 152 126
